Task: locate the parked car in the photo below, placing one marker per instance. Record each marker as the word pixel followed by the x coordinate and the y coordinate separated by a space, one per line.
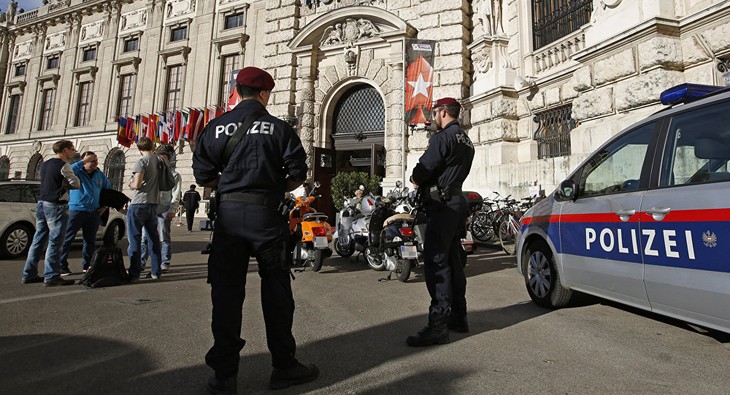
pixel 17 219
pixel 645 220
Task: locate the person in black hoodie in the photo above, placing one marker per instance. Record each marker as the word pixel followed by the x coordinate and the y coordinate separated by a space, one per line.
pixel 57 178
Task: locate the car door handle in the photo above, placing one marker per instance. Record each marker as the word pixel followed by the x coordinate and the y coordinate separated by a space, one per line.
pixel 658 213
pixel 625 214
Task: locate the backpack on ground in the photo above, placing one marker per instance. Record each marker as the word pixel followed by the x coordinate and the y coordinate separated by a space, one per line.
pixel 106 270
pixel 167 180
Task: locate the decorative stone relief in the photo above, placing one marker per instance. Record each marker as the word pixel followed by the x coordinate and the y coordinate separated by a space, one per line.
pixel 91 32
pixel 23 50
pixel 600 6
pixel 349 32
pixel 482 61
pixel 133 20
pixel 177 8
pixel 489 13
pixel 227 2
pixel 55 42
pixel 58 4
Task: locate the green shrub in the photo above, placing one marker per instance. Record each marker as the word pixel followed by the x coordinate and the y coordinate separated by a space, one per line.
pixel 344 185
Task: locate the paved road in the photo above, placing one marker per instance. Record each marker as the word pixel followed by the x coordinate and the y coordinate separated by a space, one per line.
pixel 150 338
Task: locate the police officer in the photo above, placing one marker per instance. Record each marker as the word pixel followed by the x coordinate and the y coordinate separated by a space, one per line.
pixel 267 162
pixel 439 175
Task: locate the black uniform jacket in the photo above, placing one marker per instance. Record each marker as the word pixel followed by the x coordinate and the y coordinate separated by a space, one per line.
pixel 263 158
pixel 447 160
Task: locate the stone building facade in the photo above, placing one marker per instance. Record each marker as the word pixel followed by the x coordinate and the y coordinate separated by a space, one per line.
pixel 541 88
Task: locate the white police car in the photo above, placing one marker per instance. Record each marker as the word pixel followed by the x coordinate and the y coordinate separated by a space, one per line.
pixel 645 220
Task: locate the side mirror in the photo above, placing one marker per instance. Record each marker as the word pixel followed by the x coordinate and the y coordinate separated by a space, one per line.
pixel 566 191
pixel 317 184
pixel 398 184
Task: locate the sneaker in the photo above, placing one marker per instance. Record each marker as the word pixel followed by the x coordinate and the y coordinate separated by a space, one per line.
pixel 458 323
pixel 164 268
pixel 217 386
pixel 36 279
pixel 190 231
pixel 66 271
pixel 435 332
pixel 296 374
pixel 58 281
pixel 154 278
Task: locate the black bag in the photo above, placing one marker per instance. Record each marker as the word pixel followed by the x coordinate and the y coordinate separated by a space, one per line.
pixel 106 270
pixel 166 179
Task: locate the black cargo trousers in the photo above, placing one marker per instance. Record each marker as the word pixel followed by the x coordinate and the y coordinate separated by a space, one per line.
pixel 243 230
pixel 443 258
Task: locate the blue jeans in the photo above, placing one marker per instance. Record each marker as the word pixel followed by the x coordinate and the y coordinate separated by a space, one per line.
pixel 50 229
pixel 163 226
pixel 88 221
pixel 141 216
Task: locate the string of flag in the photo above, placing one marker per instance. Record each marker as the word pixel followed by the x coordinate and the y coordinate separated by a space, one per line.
pixel 166 128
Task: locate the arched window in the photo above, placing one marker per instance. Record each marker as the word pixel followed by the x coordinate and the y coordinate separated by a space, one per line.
pixel 360 110
pixel 4 168
pixel 34 167
pixel 114 168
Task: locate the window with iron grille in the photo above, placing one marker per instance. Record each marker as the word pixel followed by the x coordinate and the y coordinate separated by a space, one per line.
pixel 4 168
pixel 178 34
pixel 229 66
pixel 234 21
pixel 114 168
pixel 553 132
pixel 89 54
pixel 19 69
pixel 360 109
pixel 131 44
pixel 53 62
pixel 174 88
pixel 46 108
pixel 126 91
pixel 554 19
pixel 84 108
pixel 13 110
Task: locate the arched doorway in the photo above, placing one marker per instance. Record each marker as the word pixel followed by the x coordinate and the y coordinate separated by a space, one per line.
pixel 114 168
pixel 34 167
pixel 4 168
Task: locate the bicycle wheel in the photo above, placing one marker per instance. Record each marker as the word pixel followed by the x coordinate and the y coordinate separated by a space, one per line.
pixel 507 237
pixel 481 228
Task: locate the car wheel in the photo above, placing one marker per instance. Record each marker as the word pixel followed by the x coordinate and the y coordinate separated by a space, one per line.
pixel 16 241
pixel 113 233
pixel 543 279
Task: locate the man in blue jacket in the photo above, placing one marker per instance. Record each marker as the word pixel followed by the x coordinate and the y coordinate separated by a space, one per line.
pixel 84 210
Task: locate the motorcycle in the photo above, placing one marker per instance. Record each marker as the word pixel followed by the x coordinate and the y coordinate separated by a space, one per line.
pixel 311 232
pixel 352 229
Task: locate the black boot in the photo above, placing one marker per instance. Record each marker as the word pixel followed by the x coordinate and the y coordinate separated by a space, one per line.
pixel 228 386
pixel 295 374
pixel 458 323
pixel 435 332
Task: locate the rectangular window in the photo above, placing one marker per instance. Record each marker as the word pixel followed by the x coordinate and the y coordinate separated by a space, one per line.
pixel 555 19
pixel 13 111
pixel 174 88
pixel 19 69
pixel 84 108
pixel 178 34
pixel 553 133
pixel 229 65
pixel 89 54
pixel 53 62
pixel 131 44
pixel 233 21
pixel 126 92
pixel 46 108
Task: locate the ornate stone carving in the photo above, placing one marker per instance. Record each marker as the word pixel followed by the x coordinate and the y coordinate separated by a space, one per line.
pixel 23 50
pixel 10 10
pixel 349 32
pixel 58 4
pixel 91 32
pixel 176 8
pixel 482 61
pixel 133 20
pixel 600 6
pixel 55 41
pixel 489 13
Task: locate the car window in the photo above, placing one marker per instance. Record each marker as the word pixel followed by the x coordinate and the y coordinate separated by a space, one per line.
pixel 10 193
pixel 617 167
pixel 698 147
pixel 31 193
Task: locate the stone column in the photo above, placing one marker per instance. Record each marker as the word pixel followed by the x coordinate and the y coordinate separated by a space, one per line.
pixel 305 97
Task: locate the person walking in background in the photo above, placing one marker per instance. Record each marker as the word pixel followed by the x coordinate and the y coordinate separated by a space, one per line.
pixel 166 209
pixel 191 201
pixel 142 212
pixel 441 172
pixel 84 209
pixel 57 178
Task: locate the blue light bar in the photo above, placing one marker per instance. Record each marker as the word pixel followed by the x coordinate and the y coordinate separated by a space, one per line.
pixel 686 93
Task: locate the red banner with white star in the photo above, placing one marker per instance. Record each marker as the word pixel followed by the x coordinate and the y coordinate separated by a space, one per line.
pixel 419 81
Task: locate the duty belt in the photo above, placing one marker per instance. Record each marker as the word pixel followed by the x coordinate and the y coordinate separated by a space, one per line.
pixel 261 199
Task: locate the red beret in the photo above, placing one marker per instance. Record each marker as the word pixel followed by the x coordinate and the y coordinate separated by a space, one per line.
pixel 445 101
pixel 255 78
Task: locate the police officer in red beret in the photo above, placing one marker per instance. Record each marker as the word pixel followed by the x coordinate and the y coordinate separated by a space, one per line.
pixel 439 176
pixel 251 176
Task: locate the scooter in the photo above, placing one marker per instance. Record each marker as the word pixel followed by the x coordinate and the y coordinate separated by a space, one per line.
pixel 352 230
pixel 311 231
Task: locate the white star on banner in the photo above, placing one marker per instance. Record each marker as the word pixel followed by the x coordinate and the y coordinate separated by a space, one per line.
pixel 420 86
